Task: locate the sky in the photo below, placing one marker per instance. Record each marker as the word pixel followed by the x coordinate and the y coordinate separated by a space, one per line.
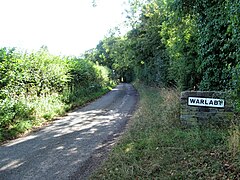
pixel 66 27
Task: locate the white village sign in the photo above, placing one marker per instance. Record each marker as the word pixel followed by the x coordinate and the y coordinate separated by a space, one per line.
pixel 206 102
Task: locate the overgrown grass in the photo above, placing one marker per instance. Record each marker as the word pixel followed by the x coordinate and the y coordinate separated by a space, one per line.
pixel 26 114
pixel 155 145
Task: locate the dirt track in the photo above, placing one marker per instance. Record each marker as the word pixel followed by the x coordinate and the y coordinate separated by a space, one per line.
pixel 72 147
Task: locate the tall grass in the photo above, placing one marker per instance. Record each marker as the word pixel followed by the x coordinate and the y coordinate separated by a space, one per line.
pixel 155 145
pixel 234 137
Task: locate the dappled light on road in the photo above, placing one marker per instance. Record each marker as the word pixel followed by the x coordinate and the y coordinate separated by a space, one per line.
pixel 58 150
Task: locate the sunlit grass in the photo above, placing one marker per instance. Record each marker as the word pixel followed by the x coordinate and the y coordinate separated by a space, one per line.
pixel 31 113
pixel 155 145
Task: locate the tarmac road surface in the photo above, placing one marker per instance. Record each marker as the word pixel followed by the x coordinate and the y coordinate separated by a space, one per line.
pixel 73 146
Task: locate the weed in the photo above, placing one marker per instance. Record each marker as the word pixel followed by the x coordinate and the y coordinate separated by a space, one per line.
pixel 234 140
pixel 155 145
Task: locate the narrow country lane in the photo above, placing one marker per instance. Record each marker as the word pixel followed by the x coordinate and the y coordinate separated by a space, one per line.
pixel 73 146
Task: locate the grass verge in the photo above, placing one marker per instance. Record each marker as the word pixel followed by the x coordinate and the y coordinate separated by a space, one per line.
pixel 155 145
pixel 26 114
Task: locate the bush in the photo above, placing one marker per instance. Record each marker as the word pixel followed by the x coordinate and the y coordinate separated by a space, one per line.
pixel 236 87
pixel 36 86
pixel 13 110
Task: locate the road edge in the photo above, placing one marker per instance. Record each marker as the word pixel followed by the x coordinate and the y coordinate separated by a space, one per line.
pixel 100 155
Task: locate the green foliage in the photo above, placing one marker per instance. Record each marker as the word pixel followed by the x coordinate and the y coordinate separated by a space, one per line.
pixel 12 110
pixel 194 45
pixel 191 44
pixel 236 87
pixel 234 30
pixel 114 53
pixel 179 36
pixel 33 74
pixel 151 59
pixel 37 86
pixel 214 47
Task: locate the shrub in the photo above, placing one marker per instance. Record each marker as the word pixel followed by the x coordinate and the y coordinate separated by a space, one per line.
pixel 36 86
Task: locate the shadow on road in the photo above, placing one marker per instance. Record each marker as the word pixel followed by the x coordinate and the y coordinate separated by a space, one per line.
pixel 66 148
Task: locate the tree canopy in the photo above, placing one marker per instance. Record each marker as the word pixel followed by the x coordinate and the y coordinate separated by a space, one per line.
pixel 181 43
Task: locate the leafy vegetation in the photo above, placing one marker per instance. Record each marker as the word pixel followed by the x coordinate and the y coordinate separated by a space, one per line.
pixel 191 45
pixel 37 86
pixel 156 147
pixel 183 44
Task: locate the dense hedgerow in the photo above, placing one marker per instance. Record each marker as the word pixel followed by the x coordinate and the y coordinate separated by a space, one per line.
pixel 37 86
pixel 188 44
pixel 192 45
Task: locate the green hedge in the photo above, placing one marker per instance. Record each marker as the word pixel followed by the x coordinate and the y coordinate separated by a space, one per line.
pixel 36 86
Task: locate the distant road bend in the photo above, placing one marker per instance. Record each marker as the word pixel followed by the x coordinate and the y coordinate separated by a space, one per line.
pixel 73 146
